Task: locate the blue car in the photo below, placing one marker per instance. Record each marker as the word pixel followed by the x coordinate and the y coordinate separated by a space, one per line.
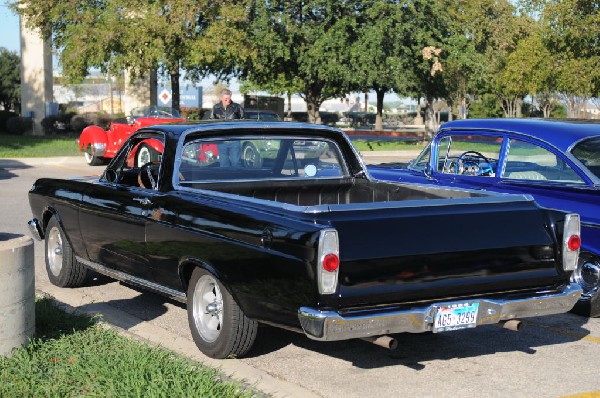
pixel 556 162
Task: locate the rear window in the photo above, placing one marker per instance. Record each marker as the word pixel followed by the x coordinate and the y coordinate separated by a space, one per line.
pixel 259 158
pixel 588 153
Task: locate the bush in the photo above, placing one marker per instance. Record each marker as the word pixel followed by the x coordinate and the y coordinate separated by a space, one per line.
pixel 19 125
pixel 49 124
pixel 300 117
pixel 78 123
pixel 4 116
pixel 193 112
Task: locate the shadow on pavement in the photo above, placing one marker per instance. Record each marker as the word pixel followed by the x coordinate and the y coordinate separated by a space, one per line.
pixel 414 350
pixel 6 165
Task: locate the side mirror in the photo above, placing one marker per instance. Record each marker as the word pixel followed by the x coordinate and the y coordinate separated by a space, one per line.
pixel 111 176
pixel 428 171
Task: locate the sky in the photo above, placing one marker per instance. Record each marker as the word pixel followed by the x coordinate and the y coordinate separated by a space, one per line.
pixel 9 29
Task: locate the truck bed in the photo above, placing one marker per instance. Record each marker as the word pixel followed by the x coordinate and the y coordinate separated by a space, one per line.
pixel 335 192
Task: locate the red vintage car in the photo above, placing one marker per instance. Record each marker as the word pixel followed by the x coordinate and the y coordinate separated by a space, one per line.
pixel 99 145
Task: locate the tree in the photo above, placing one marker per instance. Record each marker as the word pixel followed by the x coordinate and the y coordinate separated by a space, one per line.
pixel 136 35
pixel 303 45
pixel 383 55
pixel 428 29
pixel 570 36
pixel 10 80
pixel 530 69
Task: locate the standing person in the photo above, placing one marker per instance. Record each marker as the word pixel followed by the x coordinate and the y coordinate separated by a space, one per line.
pixel 227 109
pixel 229 151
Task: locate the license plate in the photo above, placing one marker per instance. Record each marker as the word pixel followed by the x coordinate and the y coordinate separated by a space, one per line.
pixel 455 316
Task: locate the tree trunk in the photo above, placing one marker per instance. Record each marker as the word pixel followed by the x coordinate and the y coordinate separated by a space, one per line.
pixel 429 118
pixel 175 94
pixel 289 109
pixel 313 103
pixel 379 117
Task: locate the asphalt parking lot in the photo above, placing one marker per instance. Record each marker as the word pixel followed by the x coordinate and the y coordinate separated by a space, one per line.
pixel 553 356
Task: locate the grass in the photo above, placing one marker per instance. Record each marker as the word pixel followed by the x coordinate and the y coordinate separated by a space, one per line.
pixel 20 146
pixel 364 145
pixel 73 356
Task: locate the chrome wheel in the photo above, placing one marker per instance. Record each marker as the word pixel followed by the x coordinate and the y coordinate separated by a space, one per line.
pixel 88 157
pixel 143 155
pixel 587 274
pixel 55 251
pixel 208 308
pixel 251 157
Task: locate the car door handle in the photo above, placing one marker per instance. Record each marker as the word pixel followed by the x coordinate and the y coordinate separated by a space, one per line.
pixel 143 201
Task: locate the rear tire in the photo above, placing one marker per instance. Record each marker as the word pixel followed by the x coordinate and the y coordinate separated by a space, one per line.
pixel 218 325
pixel 93 160
pixel 62 267
pixel 587 275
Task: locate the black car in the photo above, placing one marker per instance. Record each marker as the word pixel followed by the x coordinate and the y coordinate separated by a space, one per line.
pixel 305 240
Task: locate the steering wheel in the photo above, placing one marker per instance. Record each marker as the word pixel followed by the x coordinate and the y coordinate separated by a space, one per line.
pixel 146 178
pixel 468 163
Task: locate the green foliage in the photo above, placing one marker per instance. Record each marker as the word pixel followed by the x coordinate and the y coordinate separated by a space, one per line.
pixel 18 125
pixel 304 47
pixel 363 145
pixel 10 80
pixel 559 111
pixel 323 49
pixel 73 357
pixel 486 107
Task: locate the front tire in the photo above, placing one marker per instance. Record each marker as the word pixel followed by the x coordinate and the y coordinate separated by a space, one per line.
pixel 62 267
pixel 218 325
pixel 146 154
pixel 251 157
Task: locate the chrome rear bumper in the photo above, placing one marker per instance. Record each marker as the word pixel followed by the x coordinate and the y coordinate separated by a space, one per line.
pixel 331 326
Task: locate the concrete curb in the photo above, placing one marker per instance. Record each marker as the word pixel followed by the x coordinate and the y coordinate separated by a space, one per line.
pixel 73 301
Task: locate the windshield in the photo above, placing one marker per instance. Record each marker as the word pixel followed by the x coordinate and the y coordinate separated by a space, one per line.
pixel 422 160
pixel 588 153
pixel 155 111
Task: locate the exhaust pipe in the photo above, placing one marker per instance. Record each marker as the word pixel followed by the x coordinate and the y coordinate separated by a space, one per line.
pixel 383 341
pixel 512 324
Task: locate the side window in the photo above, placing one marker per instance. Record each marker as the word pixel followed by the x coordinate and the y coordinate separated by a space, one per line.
pixel 527 161
pixel 469 155
pixel 137 163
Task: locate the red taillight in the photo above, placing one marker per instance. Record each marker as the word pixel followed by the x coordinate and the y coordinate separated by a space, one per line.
pixel 574 242
pixel 331 262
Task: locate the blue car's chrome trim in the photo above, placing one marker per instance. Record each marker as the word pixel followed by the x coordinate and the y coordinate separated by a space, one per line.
pixel 331 325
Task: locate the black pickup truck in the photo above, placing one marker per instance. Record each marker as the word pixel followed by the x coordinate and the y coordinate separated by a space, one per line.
pixel 280 223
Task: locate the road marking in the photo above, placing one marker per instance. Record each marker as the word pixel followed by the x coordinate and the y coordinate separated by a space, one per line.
pixel 59 166
pixel 593 394
pixel 566 332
